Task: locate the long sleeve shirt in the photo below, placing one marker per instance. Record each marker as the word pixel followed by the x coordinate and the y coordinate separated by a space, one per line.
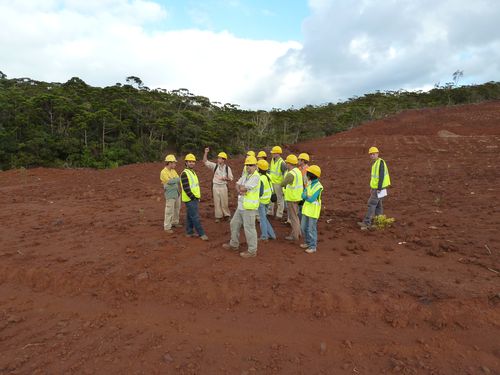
pixel 186 187
pixel 248 182
pixel 287 180
pixel 381 174
pixel 313 197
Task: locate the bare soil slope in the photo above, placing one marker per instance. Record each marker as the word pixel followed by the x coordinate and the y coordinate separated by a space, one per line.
pixel 90 283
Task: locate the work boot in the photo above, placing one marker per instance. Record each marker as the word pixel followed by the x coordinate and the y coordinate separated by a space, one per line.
pixel 204 237
pixel 247 254
pixel 304 246
pixel 192 235
pixel 169 231
pixel 217 220
pixel 229 247
pixel 289 238
pixel 177 225
pixel 310 251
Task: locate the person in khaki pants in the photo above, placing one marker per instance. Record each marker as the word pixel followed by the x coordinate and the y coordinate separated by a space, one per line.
pixel 170 181
pixel 293 183
pixel 248 188
pixel 222 174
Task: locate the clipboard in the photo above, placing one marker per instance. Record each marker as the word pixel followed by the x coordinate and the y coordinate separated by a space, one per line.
pixel 382 193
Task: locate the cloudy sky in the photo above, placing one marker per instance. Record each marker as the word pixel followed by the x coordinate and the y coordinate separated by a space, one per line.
pixel 260 54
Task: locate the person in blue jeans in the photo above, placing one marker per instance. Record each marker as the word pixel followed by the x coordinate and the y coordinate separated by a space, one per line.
pixel 190 194
pixel 311 209
pixel 266 191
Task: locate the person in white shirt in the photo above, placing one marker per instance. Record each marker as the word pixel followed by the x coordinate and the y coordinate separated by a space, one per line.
pixel 222 174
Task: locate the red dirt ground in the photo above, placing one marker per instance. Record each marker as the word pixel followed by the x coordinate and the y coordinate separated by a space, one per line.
pixel 90 283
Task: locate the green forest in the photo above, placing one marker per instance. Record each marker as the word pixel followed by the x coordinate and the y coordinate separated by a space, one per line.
pixel 73 124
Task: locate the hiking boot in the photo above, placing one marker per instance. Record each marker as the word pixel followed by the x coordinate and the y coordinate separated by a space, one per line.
pixel 310 251
pixel 229 247
pixel 217 220
pixel 192 235
pixel 246 254
pixel 169 231
pixel 204 237
pixel 177 225
pixel 289 238
pixel 304 246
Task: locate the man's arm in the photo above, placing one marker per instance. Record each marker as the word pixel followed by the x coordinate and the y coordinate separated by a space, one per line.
pixel 381 175
pixel 287 180
pixel 186 187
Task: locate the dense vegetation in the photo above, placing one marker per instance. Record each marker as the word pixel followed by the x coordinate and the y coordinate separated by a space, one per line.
pixel 74 124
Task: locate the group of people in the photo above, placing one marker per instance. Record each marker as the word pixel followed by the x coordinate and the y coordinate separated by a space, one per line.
pixel 265 188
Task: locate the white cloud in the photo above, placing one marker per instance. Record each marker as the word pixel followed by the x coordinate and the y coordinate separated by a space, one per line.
pixel 350 47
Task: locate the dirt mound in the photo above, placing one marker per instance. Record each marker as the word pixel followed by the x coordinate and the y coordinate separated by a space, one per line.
pixel 90 283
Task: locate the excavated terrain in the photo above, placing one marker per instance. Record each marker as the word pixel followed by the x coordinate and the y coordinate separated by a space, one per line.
pixel 90 282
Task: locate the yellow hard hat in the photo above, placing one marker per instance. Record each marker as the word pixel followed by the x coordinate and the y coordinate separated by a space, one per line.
pixel 304 156
pixel 373 150
pixel 250 160
pixel 262 154
pixel 276 150
pixel 171 158
pixel 315 170
pixel 222 155
pixel 190 157
pixel 250 153
pixel 291 159
pixel 263 164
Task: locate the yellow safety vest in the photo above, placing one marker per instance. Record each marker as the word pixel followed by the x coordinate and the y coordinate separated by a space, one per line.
pixel 275 171
pixel 268 189
pixel 313 209
pixel 293 192
pixel 194 185
pixel 251 197
pixel 375 177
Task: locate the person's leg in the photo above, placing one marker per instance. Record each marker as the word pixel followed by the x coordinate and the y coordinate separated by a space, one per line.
pixel 263 222
pixel 313 233
pixel 196 218
pixel 189 220
pixel 217 202
pixel 236 223
pixel 177 210
pixel 304 226
pixel 225 201
pixel 269 228
pixel 379 210
pixel 280 201
pixel 250 231
pixel 372 204
pixel 169 213
pixel 294 219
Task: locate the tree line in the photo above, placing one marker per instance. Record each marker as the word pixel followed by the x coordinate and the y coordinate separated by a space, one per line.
pixel 73 124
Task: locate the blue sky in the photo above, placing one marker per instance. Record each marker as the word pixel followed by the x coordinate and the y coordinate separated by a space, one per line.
pixel 257 54
pixel 258 19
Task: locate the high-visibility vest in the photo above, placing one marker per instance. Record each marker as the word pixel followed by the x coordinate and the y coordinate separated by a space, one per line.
pixel 375 177
pixel 251 197
pixel 275 171
pixel 313 209
pixel 293 192
pixel 194 185
pixel 268 189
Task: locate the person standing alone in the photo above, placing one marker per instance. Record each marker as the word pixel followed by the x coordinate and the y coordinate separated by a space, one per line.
pixel 379 181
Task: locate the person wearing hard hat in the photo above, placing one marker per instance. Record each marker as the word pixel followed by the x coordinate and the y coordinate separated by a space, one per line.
pixel 311 209
pixel 191 197
pixel 170 181
pixel 266 193
pixel 277 170
pixel 292 182
pixel 249 153
pixel 261 155
pixel 379 181
pixel 303 165
pixel 222 175
pixel 248 188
